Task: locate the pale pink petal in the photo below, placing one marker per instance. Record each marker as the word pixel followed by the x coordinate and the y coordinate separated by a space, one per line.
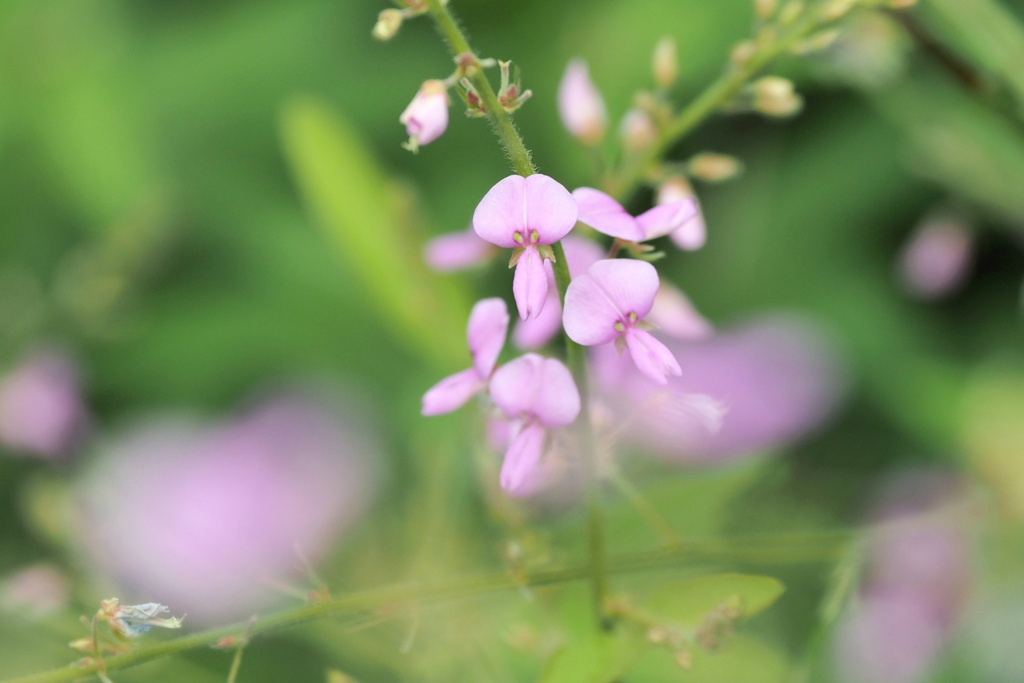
pixel 500 214
pixel 522 460
pixel 651 356
pixel 530 284
pixel 456 251
pixel 581 253
pixel 485 334
pixel 674 315
pixel 426 117
pixel 557 403
pixel 580 104
pixel 937 257
pixel 666 218
pixel 604 214
pixel 536 332
pixel 515 385
pixel 452 392
pixel 548 208
pixel 692 234
pixel 607 294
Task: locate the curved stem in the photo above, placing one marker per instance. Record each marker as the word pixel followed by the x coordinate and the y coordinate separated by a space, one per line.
pixel 786 549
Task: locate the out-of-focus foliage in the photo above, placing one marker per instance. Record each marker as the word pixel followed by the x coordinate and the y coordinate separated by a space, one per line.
pixel 199 201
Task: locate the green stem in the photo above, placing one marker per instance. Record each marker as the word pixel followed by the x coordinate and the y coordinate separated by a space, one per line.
pixel 821 547
pixel 622 183
pixel 519 156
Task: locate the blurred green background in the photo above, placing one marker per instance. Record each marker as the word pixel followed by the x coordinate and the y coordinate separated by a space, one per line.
pixel 159 220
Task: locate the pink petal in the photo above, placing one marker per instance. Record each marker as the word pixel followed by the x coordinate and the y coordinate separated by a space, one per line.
pixel 580 104
pixel 692 234
pixel 534 387
pixel 651 356
pixel 522 460
pixel 452 392
pixel 536 332
pixel 524 205
pixel 666 218
pixel 456 250
pixel 605 295
pixel 606 215
pixel 530 284
pixel 426 117
pixel 485 334
pixel 674 315
pixel 549 208
pixel 581 253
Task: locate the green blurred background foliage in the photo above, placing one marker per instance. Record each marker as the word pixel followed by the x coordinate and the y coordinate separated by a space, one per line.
pixel 201 198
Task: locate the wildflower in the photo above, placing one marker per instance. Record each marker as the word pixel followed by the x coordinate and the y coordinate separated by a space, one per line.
pixel 41 410
pixel 580 104
pixel 426 117
pixel 485 334
pixel 936 258
pixel 608 303
pixel 541 394
pixel 604 214
pixel 527 214
pixel 693 233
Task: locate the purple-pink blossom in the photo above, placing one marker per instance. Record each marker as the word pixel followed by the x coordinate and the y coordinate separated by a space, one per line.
pixel 485 335
pixel 601 212
pixel 426 117
pixel 540 394
pixel 457 251
pixel 526 213
pixel 692 234
pixel 41 410
pixel 580 104
pixel 609 303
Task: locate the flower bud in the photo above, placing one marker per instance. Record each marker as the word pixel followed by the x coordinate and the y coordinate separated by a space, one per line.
pixel 426 117
pixel 388 23
pixel 774 96
pixel 741 52
pixel 637 130
pixel 665 63
pixel 714 168
pixel 791 11
pixel 580 104
pixel 764 9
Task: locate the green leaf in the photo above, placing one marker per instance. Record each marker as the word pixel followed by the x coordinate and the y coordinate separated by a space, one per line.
pixel 371 224
pixel 689 602
pixel 598 658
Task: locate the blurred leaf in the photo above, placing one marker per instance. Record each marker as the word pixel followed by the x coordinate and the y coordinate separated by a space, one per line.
pixel 361 211
pixel 599 658
pixel 689 602
pixel 742 660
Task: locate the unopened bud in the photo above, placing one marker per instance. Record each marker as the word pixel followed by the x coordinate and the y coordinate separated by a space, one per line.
pixel 836 9
pixel 764 9
pixel 774 96
pixel 426 117
pixel 819 41
pixel 637 130
pixel 791 11
pixel 580 104
pixel 714 168
pixel 673 189
pixel 82 645
pixel 742 52
pixel 388 23
pixel 665 63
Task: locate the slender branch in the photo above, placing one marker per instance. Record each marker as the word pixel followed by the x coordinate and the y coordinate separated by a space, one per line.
pixel 789 549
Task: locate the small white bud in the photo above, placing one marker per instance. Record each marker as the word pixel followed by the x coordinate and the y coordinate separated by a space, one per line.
pixel 774 96
pixel 714 168
pixel 388 23
pixel 637 130
pixel 665 62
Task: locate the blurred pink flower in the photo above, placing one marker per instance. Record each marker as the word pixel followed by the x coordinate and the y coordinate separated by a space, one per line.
pixel 601 212
pixel 916 583
pixel 201 517
pixel 764 384
pixel 457 251
pixel 937 256
pixel 41 411
pixel 36 590
pixel 426 117
pixel 580 104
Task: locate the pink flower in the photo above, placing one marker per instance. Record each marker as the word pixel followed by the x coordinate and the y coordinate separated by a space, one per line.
pixel 205 516
pixel 609 302
pixel 936 258
pixel 41 411
pixel 580 104
pixel 526 214
pixel 456 251
pixel 604 214
pixel 426 117
pixel 541 394
pixel 675 315
pixel 485 334
pixel 534 333
pixel 692 234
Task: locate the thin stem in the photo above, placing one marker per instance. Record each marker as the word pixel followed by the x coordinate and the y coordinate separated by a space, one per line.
pixel 236 663
pixel 622 183
pixel 789 549
pixel 643 506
